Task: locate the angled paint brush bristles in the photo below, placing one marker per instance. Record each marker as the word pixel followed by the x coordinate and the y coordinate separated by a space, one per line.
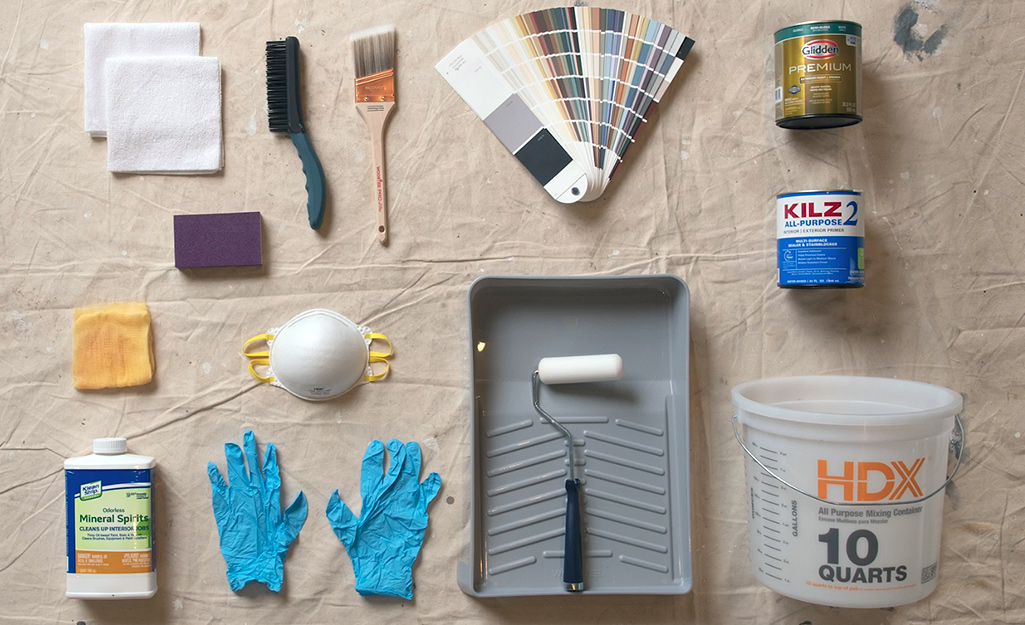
pixel 373 52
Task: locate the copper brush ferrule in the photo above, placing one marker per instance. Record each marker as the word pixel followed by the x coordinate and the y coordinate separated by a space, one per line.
pixel 379 87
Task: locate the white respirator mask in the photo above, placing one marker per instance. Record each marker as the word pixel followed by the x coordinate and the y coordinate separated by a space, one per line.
pixel 318 355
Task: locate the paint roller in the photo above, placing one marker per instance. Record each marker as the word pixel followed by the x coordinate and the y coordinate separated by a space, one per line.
pixel 573 370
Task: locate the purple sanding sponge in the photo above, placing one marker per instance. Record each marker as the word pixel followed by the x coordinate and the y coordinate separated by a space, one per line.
pixel 217 240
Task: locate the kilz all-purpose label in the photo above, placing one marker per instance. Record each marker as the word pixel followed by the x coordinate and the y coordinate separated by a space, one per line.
pixel 820 239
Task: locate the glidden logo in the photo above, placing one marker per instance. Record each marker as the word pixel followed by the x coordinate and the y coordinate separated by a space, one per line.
pixel 855 478
pixel 820 49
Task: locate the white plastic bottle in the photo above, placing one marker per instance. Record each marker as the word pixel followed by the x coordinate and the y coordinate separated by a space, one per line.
pixel 109 502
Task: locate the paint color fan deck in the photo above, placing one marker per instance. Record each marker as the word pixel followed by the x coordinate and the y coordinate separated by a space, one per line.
pixel 567 90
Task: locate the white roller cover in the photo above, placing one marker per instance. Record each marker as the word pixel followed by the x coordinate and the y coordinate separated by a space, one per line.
pixel 576 369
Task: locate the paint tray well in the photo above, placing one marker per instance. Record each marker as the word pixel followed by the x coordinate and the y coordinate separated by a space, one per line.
pixel 631 436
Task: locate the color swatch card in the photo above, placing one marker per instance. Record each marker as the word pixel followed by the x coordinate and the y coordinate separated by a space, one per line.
pixel 567 90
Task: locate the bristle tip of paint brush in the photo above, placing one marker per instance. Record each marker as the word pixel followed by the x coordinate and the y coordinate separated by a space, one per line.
pixel 373 50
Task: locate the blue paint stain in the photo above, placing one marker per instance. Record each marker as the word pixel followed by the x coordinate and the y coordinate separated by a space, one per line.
pixel 905 37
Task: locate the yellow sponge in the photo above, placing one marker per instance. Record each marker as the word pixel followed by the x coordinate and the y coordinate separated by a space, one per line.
pixel 113 346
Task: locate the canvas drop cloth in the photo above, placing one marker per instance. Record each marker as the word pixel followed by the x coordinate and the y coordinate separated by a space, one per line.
pixel 940 157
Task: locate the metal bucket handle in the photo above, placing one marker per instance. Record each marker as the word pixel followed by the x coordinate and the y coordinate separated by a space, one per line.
pixel 956 445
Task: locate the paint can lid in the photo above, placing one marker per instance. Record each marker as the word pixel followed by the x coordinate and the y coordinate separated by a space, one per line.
pixel 110 445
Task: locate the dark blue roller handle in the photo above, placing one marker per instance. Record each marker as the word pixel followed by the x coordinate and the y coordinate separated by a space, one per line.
pixel 573 560
pixel 314 178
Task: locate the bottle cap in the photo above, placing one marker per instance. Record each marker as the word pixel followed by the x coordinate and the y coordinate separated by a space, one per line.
pixel 110 445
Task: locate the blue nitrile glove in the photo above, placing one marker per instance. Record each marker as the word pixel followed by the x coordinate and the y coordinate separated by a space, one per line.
pixel 254 534
pixel 383 542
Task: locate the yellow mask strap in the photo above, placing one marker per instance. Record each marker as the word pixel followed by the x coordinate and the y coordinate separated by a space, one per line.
pixel 260 361
pixel 381 357
pixel 380 337
pixel 259 337
pixel 258 358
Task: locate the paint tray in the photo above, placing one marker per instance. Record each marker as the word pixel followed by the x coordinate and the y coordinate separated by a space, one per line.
pixel 631 436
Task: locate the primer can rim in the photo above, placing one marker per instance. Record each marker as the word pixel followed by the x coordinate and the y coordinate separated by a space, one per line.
pixel 821 192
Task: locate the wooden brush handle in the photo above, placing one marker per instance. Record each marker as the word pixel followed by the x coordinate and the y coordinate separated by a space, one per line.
pixel 376 115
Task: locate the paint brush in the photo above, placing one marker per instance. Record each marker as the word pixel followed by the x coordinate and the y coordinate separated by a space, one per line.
pixel 374 53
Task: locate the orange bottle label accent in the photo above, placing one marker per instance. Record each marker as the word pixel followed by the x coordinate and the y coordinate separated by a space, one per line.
pixel 113 562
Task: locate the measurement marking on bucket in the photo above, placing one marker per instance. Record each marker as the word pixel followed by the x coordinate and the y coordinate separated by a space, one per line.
pixel 769 508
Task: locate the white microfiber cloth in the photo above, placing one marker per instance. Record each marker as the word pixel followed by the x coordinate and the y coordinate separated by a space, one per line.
pixel 105 41
pixel 164 115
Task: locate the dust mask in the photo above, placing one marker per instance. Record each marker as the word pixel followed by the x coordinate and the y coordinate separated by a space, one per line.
pixel 318 355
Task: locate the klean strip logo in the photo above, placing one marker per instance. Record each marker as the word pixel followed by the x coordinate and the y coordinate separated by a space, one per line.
pixel 898 480
pixel 820 49
pixel 92 490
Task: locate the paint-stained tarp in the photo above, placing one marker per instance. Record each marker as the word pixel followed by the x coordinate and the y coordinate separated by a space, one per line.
pixel 939 156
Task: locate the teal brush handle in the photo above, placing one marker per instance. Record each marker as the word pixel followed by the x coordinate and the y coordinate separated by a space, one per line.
pixel 314 178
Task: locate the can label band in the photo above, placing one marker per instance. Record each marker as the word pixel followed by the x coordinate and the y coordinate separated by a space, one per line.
pixel 818 71
pixel 109 521
pixel 820 239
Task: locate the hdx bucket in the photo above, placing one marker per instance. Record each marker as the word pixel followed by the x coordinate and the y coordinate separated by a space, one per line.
pixel 844 485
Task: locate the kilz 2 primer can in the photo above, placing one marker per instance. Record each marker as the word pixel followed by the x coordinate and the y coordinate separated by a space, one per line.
pixel 820 239
pixel 818 75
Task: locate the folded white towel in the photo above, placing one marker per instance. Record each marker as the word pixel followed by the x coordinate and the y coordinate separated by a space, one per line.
pixel 164 114
pixel 105 41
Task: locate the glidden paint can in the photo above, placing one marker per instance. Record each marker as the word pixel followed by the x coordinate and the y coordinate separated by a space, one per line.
pixel 820 239
pixel 818 75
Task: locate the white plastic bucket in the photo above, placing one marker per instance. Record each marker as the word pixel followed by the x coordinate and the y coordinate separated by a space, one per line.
pixel 844 479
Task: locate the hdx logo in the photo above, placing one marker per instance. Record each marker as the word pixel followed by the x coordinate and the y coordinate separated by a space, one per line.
pixel 898 480
pixel 820 49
